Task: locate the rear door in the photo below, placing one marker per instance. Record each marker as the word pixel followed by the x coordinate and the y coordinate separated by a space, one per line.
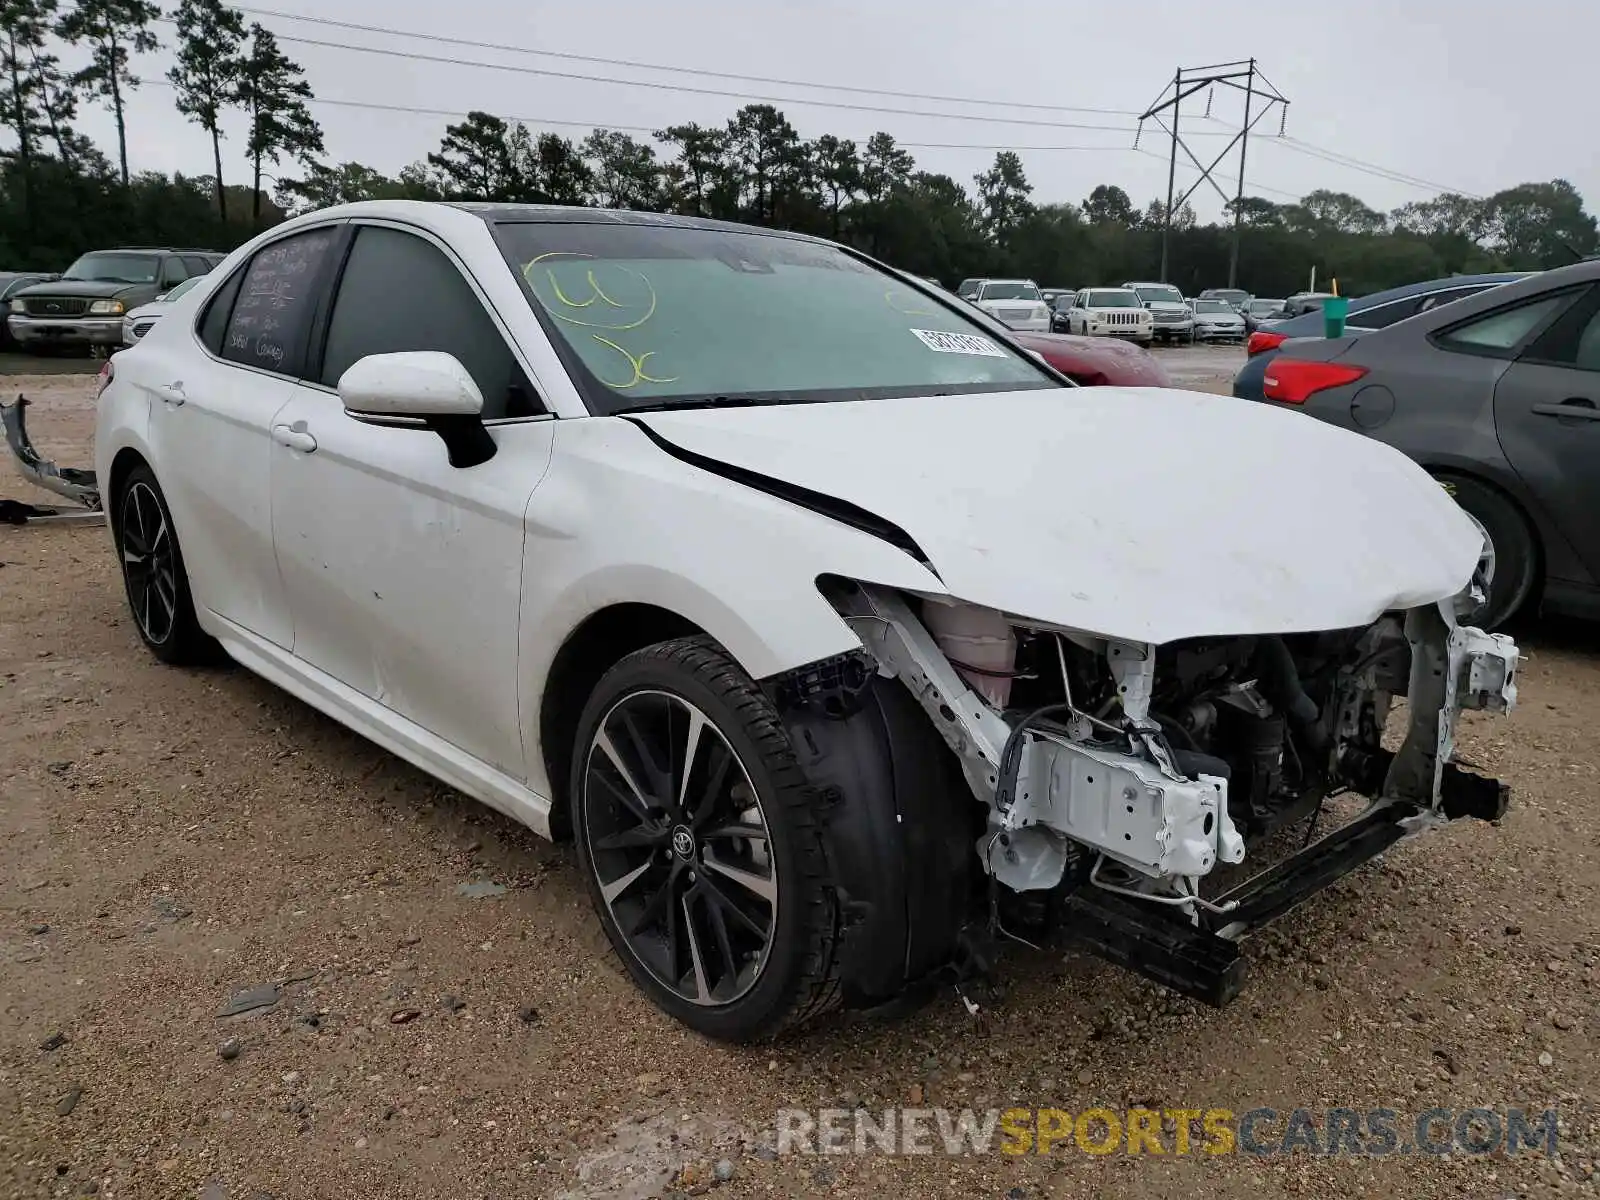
pixel 211 414
pixel 1547 413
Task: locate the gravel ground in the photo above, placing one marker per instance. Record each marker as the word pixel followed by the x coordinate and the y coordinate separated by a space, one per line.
pixel 171 839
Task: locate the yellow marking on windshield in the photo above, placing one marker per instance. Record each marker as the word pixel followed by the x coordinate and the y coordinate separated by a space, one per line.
pixel 637 363
pixel 599 293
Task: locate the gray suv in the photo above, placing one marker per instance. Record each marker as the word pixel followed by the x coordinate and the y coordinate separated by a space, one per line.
pixel 84 308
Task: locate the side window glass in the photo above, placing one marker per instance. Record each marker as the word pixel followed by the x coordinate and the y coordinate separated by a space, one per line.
pixel 1439 299
pixel 172 272
pixel 214 324
pixel 277 301
pixel 1573 340
pixel 196 266
pixel 1503 331
pixel 1382 316
pixel 400 292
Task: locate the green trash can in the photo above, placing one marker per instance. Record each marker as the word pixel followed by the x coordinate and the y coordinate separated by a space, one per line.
pixel 1334 311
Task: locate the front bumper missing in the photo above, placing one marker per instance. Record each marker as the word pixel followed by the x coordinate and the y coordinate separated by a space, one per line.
pixel 1058 790
pixel 1201 957
pixel 71 483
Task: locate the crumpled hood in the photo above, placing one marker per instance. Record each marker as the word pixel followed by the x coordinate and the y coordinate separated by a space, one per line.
pixel 1140 513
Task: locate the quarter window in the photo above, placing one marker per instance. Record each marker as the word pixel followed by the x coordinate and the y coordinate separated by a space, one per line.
pixel 1501 332
pixel 399 293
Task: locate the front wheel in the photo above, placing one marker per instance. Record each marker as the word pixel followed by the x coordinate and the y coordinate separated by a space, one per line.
pixel 699 843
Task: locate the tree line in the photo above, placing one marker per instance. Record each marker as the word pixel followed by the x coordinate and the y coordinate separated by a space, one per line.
pixel 60 194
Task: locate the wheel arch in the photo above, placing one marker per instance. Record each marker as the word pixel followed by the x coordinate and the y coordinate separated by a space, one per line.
pixel 1447 469
pixel 122 465
pixel 600 641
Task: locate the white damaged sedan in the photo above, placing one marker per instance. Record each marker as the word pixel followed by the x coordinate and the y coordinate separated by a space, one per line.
pixel 842 636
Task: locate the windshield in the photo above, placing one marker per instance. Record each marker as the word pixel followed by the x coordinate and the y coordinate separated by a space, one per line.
pixel 666 316
pixel 1231 295
pixel 1008 291
pixel 181 288
pixel 104 267
pixel 1263 307
pixel 1212 306
pixel 1113 300
pixel 1159 295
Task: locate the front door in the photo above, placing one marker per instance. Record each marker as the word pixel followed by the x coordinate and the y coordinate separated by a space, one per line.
pixel 404 574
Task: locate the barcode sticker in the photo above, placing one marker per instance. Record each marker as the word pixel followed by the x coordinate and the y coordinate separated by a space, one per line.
pixel 958 343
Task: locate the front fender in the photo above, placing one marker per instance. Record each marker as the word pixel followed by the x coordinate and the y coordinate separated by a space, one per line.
pixel 619 521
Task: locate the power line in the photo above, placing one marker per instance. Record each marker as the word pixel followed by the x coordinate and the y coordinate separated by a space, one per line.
pixel 414 110
pixel 414 56
pixel 1356 164
pixel 678 70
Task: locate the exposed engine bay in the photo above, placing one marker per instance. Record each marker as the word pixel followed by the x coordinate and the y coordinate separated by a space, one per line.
pixel 1118 776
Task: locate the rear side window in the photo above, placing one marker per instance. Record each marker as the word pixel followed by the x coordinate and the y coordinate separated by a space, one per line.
pixel 276 302
pixel 400 292
pixel 197 265
pixel 1381 316
pixel 1501 332
pixel 214 323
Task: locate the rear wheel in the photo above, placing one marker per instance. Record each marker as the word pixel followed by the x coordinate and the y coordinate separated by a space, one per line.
pixel 153 573
pixel 1511 552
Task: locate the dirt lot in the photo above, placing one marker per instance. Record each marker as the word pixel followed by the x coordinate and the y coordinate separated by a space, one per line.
pixel 170 839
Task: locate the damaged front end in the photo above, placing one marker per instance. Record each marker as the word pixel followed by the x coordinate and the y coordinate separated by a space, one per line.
pixel 71 483
pixel 1118 776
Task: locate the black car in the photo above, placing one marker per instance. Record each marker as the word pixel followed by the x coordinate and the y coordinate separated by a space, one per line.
pixel 83 309
pixel 1498 396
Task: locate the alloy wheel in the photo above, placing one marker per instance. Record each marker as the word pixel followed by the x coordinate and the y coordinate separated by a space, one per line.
pixel 680 847
pixel 149 563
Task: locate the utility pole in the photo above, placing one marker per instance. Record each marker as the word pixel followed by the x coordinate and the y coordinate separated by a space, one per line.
pixel 1238 202
pixel 1172 173
pixel 1186 82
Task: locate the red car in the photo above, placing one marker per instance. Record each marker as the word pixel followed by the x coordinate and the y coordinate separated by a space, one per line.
pixel 1097 362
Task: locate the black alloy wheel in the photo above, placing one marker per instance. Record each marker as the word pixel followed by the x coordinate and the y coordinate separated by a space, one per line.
pixel 149 563
pixel 680 847
pixel 154 575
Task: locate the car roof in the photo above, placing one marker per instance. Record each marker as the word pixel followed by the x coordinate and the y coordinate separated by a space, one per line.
pixel 1312 321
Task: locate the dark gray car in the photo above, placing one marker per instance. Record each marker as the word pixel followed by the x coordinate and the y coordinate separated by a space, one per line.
pixel 1498 395
pixel 85 306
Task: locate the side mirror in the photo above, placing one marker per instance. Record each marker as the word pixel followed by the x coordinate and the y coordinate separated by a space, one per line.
pixel 427 386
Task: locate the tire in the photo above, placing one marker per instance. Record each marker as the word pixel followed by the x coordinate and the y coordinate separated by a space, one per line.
pixel 1513 545
pixel 153 573
pixel 644 854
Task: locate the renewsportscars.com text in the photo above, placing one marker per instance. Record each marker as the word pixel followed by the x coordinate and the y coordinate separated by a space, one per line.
pixel 1368 1132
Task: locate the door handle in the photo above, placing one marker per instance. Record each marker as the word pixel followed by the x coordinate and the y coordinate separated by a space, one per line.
pixel 172 393
pixel 295 439
pixel 1574 407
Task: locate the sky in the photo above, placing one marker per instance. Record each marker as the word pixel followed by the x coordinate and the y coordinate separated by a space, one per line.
pixel 1468 95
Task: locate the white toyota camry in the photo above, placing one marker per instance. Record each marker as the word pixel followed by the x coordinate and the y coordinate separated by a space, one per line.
pixel 842 636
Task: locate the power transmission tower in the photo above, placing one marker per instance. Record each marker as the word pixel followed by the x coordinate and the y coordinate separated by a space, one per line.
pixel 1185 83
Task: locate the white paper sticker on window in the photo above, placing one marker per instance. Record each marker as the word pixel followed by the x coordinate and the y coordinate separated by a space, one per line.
pixel 958 343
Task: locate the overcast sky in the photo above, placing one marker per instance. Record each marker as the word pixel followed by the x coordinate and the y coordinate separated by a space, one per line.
pixel 1467 94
